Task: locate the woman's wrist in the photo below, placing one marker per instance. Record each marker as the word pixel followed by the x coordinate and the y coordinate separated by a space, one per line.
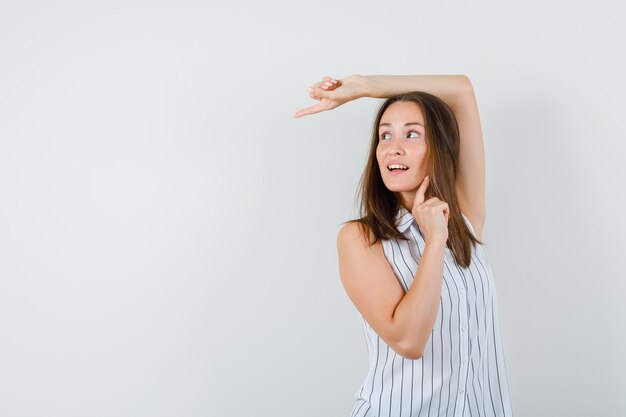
pixel 368 86
pixel 360 85
pixel 385 86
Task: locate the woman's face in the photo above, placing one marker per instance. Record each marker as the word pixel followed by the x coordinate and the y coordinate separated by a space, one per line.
pixel 401 140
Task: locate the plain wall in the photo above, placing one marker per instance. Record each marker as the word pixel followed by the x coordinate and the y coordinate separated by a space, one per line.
pixel 168 230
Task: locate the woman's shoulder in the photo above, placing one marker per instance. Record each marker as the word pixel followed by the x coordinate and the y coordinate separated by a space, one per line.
pixel 355 232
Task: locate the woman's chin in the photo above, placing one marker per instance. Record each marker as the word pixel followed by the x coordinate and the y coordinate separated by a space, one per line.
pixel 396 188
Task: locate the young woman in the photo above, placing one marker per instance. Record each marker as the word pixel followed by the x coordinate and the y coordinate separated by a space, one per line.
pixel 413 264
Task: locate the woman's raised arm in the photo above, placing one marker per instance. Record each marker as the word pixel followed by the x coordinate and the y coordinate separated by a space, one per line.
pixel 332 93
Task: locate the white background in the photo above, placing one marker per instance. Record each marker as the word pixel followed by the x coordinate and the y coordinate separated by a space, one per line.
pixel 168 230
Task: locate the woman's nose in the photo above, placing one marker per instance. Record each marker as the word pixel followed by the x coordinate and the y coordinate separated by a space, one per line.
pixel 396 148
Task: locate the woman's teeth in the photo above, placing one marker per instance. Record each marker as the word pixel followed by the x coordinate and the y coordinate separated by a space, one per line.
pixel 397 166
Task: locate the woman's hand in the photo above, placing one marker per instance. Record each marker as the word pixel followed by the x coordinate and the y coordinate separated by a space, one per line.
pixel 431 216
pixel 332 93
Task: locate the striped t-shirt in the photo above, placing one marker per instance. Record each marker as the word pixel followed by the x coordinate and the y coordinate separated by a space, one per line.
pixel 462 371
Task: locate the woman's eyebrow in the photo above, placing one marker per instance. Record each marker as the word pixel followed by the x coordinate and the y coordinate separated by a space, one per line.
pixel 406 124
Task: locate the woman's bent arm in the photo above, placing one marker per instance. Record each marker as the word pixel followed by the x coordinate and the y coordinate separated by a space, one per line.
pixel 403 321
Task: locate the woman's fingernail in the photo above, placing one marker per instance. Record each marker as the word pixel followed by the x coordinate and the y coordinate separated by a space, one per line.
pixel 309 89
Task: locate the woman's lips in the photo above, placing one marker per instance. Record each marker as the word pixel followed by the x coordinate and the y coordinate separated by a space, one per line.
pixel 397 171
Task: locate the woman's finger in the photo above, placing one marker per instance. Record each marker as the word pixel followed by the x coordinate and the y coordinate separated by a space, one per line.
pixel 431 201
pixel 318 93
pixel 310 110
pixel 314 97
pixel 419 195
pixel 312 94
pixel 327 83
pixel 318 84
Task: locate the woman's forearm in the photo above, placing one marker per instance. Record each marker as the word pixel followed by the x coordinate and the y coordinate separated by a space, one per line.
pixel 446 87
pixel 415 315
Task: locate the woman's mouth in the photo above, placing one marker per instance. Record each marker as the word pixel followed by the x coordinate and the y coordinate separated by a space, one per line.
pixel 397 169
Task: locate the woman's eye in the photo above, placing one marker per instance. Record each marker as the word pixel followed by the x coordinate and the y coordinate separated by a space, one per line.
pixel 387 135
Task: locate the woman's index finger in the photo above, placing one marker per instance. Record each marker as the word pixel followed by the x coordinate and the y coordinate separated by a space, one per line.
pixel 421 191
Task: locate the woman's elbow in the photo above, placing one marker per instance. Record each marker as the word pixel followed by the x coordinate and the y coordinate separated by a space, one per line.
pixel 412 355
pixel 466 83
pixel 409 352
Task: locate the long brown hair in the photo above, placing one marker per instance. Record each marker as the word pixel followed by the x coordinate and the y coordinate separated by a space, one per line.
pixel 379 205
